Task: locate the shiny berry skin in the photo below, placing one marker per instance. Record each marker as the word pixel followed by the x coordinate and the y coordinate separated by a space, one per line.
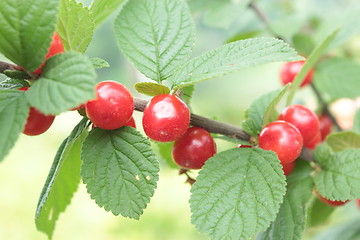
pixel 330 202
pixel 325 126
pixel 288 167
pixel 303 119
pixel 166 118
pixel 56 47
pixel 193 148
pixel 282 138
pixel 113 106
pixel 36 123
pixel 289 71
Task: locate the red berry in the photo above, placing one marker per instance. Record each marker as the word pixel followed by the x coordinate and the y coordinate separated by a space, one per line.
pixel 113 106
pixel 358 202
pixel 36 123
pixel 282 138
pixel 303 119
pixel 244 146
pixel 288 167
pixel 166 118
pixel 289 71
pixel 325 126
pixel 193 148
pixel 330 202
pixel 316 140
pixel 56 47
pixel 131 123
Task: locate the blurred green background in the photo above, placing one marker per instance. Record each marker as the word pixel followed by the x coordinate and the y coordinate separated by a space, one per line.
pixel 167 217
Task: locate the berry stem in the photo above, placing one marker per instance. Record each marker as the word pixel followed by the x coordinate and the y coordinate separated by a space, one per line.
pixel 325 106
pixel 7 66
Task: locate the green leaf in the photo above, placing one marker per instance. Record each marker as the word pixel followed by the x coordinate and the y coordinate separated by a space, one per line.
pixel 99 63
pixel 232 57
pixel 291 219
pixel 62 181
pixel 10 83
pixel 261 111
pixel 318 212
pixel 315 55
pixel 237 193
pixel 356 127
pixel 151 88
pixel 303 43
pixel 75 25
pixel 156 36
pixel 101 9
pixel 67 81
pixel 186 93
pixel 328 73
pixel 14 111
pixel 16 74
pixel 339 179
pixel 243 36
pixel 26 28
pixel 120 170
pixel 343 140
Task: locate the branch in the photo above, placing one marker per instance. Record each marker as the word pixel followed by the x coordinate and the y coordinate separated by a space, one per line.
pixel 263 18
pixel 325 106
pixel 221 128
pixel 210 125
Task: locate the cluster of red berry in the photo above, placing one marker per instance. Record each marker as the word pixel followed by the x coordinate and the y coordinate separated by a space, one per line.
pixel 37 122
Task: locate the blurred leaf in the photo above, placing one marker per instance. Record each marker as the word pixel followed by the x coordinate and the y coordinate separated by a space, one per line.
pixel 102 9
pixel 151 88
pixel 339 178
pixel 232 57
pixel 26 29
pixel 14 111
pixel 67 81
pixel 120 170
pixel 10 83
pixel 164 150
pixel 237 193
pixel 261 111
pixel 303 43
pixel 75 25
pixel 156 36
pixel 357 122
pixel 346 231
pixel 328 74
pixel 318 213
pixel 62 181
pixel 99 63
pixel 291 219
pixel 16 74
pixel 243 36
pixel 186 94
pixel 315 55
pixel 343 140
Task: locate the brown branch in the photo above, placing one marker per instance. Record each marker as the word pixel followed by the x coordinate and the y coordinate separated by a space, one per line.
pixel 210 125
pixel 263 18
pixel 325 106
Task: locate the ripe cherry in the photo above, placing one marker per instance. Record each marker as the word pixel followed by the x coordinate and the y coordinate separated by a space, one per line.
pixel 282 138
pixel 358 202
pixel 131 123
pixel 330 202
pixel 36 123
pixel 56 47
pixel 289 71
pixel 113 106
pixel 166 118
pixel 193 148
pixel 316 140
pixel 303 119
pixel 288 167
pixel 325 125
